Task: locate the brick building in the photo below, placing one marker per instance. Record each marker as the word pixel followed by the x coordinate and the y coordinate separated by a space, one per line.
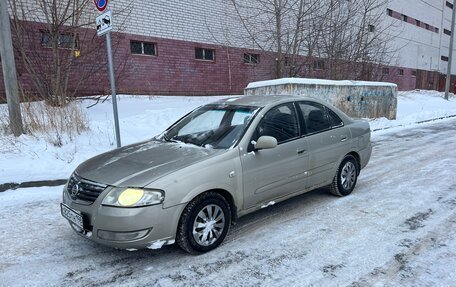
pixel 200 47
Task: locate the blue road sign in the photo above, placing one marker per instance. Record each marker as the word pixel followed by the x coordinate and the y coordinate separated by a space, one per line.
pixel 101 4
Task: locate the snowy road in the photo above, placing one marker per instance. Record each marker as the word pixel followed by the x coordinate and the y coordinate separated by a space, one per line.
pixel 397 228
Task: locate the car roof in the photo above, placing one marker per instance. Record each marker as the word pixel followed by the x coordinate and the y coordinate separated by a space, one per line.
pixel 260 101
pixel 263 101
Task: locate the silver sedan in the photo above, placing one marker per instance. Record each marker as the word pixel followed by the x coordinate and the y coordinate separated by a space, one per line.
pixel 216 164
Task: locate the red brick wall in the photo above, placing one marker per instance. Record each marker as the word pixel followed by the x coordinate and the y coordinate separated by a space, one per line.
pixel 174 70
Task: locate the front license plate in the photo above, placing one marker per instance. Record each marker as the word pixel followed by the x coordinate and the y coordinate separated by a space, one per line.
pixel 72 215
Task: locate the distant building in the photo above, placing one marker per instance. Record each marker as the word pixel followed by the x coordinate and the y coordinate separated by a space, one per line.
pixel 193 48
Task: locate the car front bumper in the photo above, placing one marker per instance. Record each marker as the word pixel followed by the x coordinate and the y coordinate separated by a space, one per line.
pixel 126 228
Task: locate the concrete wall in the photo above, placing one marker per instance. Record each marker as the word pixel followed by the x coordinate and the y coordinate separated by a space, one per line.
pixel 356 99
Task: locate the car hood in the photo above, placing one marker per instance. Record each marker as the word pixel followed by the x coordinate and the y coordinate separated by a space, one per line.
pixel 140 164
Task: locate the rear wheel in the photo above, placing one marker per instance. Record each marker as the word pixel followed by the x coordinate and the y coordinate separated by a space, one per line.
pixel 346 176
pixel 204 223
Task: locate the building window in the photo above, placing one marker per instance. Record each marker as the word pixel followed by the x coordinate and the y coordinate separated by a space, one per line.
pixel 371 28
pixel 404 17
pixel 204 54
pixel 444 58
pixel 143 48
pixel 427 26
pixel 385 71
pixel 389 12
pixel 251 58
pixel 401 72
pixel 66 40
pixel 418 23
pixel 414 73
pixel 447 32
pixel 436 30
pixel 319 65
pixel 449 5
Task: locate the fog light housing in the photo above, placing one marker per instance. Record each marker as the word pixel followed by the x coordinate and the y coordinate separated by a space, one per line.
pixel 123 236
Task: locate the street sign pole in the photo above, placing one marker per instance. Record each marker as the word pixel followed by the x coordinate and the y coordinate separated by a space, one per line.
pixel 450 56
pixel 113 88
pixel 104 26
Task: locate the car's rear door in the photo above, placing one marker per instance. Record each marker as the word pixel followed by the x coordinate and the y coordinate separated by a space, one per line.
pixel 328 140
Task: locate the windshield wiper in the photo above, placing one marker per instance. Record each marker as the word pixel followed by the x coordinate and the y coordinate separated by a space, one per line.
pixel 165 137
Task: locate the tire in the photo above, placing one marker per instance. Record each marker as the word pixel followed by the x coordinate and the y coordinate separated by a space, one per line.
pixel 346 176
pixel 212 213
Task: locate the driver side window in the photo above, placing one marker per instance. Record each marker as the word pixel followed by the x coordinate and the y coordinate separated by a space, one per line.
pixel 280 122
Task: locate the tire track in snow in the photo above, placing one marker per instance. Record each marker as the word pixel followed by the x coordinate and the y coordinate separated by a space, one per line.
pixel 398 269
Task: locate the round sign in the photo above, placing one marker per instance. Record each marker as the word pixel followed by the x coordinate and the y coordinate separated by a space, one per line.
pixel 101 4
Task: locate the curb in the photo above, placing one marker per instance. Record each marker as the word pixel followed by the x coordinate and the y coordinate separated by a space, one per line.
pixel 39 183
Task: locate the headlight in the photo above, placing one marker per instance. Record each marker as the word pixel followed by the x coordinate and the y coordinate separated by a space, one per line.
pixel 133 197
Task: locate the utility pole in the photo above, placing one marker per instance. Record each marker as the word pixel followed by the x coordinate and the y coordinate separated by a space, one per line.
pixel 450 55
pixel 9 71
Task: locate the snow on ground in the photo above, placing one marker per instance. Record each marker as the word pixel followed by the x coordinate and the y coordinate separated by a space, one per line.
pixel 418 106
pixel 398 228
pixel 142 117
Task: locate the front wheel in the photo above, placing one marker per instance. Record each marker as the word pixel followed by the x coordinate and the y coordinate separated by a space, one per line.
pixel 204 223
pixel 346 176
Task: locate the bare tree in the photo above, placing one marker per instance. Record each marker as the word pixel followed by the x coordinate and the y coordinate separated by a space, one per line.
pixel 353 39
pixel 52 39
pixel 335 39
pixel 278 26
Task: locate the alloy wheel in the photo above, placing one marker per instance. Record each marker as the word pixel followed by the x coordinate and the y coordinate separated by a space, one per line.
pixel 208 225
pixel 348 175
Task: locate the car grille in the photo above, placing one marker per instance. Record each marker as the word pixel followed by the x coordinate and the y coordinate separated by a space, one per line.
pixel 82 189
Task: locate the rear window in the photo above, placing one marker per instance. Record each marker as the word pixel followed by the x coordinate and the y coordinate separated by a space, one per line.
pixel 315 117
pixel 334 118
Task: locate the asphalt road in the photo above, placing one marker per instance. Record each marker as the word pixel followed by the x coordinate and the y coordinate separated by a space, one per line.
pixel 397 228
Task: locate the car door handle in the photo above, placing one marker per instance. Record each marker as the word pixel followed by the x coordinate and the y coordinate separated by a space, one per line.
pixel 301 151
pixel 343 138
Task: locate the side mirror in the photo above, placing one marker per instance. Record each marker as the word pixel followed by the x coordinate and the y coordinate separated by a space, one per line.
pixel 266 142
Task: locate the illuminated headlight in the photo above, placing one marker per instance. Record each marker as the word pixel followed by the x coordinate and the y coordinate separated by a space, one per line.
pixel 133 197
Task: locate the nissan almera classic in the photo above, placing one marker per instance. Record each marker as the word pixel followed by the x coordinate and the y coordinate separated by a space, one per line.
pixel 216 164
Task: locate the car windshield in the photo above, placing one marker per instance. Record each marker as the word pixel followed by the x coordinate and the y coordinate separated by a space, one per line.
pixel 212 126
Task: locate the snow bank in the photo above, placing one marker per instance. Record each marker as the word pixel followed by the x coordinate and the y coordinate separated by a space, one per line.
pixel 418 106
